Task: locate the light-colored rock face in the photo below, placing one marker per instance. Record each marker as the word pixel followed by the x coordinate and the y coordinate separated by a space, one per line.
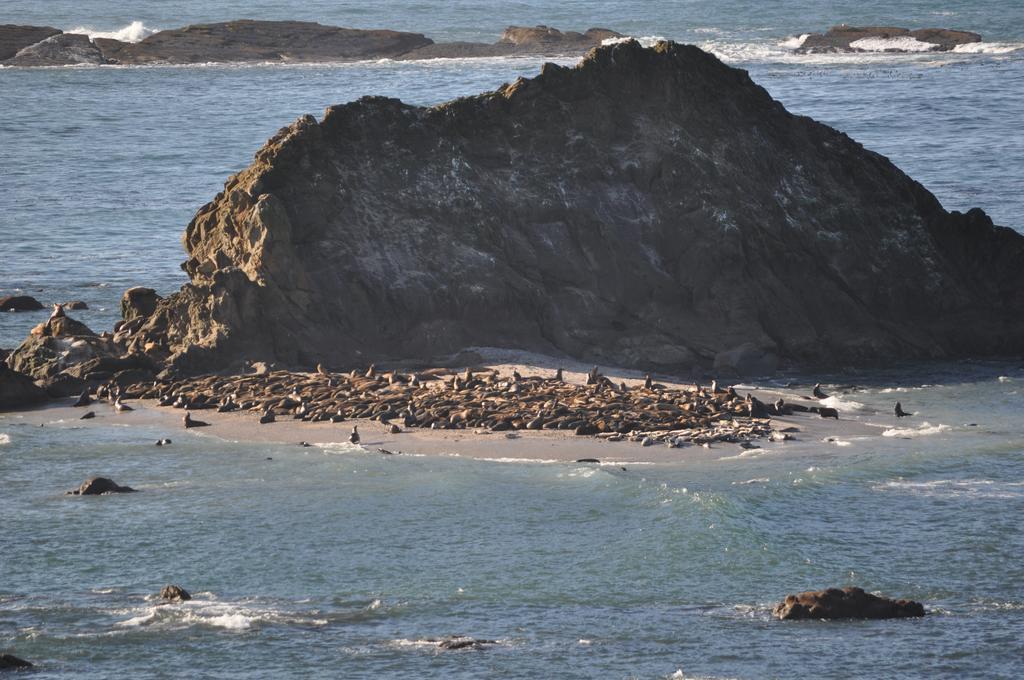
pixel 650 207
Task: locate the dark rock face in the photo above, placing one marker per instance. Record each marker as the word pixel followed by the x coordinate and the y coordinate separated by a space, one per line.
pixel 175 593
pixel 18 390
pixel 845 603
pixel 14 38
pixel 649 207
pixel 100 486
pixel 9 661
pixel 59 50
pixel 19 303
pixel 246 40
pixel 840 38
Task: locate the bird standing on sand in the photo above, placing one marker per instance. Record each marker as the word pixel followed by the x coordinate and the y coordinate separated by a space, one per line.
pixel 818 393
pixel 900 413
pixel 354 437
pixel 189 422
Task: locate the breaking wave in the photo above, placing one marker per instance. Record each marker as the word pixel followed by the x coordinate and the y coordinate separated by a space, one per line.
pixel 132 33
pixel 900 44
pixel 923 429
pixel 644 40
pixel 957 488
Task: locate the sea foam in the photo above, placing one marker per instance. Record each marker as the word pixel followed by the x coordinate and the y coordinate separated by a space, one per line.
pixel 132 33
pixel 901 44
pixel 923 429
pixel 4 438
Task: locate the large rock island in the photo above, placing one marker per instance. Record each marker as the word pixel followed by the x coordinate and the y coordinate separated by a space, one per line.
pixel 648 207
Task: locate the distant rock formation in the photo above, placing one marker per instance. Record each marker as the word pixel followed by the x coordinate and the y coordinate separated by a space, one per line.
pixel 246 40
pixel 648 207
pixel 845 603
pixel 843 38
pixel 59 50
pixel 19 303
pixel 15 38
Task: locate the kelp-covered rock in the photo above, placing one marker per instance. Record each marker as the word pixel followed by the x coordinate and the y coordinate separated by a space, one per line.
pixel 648 207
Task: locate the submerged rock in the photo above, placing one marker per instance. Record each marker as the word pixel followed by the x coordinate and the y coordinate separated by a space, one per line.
pixel 845 603
pixel 174 593
pixel 19 303
pixel 648 207
pixel 9 661
pixel 844 38
pixel 100 486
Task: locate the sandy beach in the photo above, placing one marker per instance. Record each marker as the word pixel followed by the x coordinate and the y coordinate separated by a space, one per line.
pixel 807 432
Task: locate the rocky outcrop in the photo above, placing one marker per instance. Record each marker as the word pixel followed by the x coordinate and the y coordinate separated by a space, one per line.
pixel 845 603
pixel 138 302
pixel 648 207
pixel 246 40
pixel 59 50
pixel 174 593
pixel 18 390
pixel 844 38
pixel 19 303
pixel 63 356
pixel 99 486
pixel 279 41
pixel 14 38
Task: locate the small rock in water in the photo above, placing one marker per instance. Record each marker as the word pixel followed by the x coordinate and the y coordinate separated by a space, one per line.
pixel 845 603
pixel 174 593
pixel 9 661
pixel 99 486
pixel 454 642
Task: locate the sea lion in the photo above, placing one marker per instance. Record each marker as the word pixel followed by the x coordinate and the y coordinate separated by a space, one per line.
pixel 87 415
pixel 354 437
pixel 900 413
pixel 558 376
pixel 58 311
pixel 320 369
pixel 267 417
pixel 83 399
pixel 826 412
pixel 648 382
pixel 121 407
pixel 394 429
pixel 190 422
pixel 818 393
pixel 371 371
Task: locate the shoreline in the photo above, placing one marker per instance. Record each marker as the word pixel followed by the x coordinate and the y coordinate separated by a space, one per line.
pixel 804 431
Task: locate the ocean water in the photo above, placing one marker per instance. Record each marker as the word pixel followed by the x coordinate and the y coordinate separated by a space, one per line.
pixel 332 561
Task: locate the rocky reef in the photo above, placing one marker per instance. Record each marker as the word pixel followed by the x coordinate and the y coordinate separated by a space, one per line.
pixel 650 207
pixel 845 38
pixel 246 40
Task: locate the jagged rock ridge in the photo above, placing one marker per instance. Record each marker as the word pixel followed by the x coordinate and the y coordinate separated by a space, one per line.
pixel 649 207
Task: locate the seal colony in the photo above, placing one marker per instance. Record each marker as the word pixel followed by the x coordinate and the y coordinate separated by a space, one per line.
pixel 474 400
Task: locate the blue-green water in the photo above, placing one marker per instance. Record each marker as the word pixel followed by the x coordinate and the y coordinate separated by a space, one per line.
pixel 332 562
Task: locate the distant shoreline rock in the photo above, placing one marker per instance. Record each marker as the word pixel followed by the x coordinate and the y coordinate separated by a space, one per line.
pixel 843 38
pixel 247 40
